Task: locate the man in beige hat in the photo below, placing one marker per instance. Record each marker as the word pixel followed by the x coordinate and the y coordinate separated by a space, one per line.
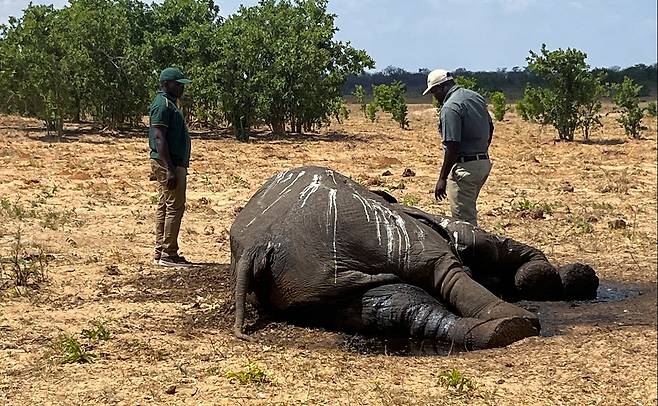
pixel 466 130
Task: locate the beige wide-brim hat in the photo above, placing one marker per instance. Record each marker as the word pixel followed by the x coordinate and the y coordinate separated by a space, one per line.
pixel 435 78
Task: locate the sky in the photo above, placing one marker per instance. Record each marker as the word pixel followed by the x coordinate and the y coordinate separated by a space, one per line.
pixel 478 34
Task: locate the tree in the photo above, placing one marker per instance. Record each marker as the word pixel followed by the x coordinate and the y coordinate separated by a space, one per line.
pixel 31 66
pixel 288 68
pixel 625 96
pixel 569 93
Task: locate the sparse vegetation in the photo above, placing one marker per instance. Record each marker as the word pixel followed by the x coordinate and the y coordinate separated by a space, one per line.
pixel 98 331
pixel 455 380
pixel 250 374
pixel 70 351
pixel 410 200
pixel 24 268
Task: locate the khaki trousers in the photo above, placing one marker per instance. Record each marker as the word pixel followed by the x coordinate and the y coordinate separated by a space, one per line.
pixel 463 187
pixel 171 206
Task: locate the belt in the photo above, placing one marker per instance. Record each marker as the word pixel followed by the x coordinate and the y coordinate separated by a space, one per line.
pixel 468 158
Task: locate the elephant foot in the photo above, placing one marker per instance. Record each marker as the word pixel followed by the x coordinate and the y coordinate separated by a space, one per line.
pixel 504 310
pixel 497 333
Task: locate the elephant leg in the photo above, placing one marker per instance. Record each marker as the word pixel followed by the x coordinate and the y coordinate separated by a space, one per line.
pixel 469 298
pixel 407 309
pixel 538 280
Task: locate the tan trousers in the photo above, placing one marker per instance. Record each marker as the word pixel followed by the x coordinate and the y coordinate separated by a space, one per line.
pixel 463 187
pixel 171 206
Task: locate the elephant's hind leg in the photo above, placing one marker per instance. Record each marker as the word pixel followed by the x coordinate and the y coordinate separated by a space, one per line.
pixel 407 309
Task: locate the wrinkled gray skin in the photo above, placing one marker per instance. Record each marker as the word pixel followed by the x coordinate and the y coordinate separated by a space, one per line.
pixel 313 243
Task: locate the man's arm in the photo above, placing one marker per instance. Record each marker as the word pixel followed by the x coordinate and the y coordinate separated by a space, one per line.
pixel 451 128
pixel 449 159
pixel 162 147
pixel 491 128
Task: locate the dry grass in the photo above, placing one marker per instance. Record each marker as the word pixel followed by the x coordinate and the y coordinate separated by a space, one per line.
pixel 87 200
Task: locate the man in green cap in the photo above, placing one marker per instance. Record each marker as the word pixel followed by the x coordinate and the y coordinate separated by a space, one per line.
pixel 170 145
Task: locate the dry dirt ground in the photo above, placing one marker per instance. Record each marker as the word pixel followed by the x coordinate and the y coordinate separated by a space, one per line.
pixel 87 202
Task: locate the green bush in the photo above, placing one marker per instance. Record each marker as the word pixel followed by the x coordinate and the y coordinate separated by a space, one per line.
pixel 499 105
pixel 651 109
pixel 626 97
pixel 390 99
pixel 570 96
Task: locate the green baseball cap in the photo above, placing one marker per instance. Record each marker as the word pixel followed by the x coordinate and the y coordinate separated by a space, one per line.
pixel 174 74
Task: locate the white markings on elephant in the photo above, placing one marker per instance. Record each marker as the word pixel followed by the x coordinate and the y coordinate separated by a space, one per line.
pixel 379 231
pixel 281 194
pixel 394 225
pixel 421 237
pixel 280 177
pixel 310 189
pixel 331 174
pixel 364 203
pixel 332 222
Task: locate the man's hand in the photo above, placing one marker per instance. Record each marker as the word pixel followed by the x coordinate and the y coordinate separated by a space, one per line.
pixel 440 189
pixel 171 180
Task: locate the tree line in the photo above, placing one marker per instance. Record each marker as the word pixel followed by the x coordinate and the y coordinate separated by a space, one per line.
pixel 276 63
pixel 511 82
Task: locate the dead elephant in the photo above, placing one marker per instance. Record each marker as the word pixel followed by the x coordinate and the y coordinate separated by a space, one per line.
pixel 312 243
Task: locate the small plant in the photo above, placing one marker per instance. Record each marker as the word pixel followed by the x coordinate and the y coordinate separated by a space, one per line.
pixel 455 380
pixel 155 199
pixel 239 181
pixel 72 351
pixel 371 111
pixel 581 224
pixel 525 205
pixel 499 105
pixel 97 332
pixel 410 200
pixel 251 374
pixel 53 219
pixel 651 109
pixel 25 269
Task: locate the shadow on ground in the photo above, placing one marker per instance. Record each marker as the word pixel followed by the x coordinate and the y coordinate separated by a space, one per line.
pixel 207 307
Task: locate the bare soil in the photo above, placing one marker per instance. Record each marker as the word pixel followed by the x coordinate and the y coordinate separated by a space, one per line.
pixel 86 201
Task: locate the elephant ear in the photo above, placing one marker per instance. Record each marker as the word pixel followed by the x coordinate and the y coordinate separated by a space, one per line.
pixel 385 195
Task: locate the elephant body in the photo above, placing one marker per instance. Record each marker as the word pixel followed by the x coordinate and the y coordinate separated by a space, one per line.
pixel 312 241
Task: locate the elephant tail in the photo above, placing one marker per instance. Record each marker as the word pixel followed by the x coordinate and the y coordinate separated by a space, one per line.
pixel 242 281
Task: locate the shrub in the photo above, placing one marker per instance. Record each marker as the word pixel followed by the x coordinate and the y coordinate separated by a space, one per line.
pixel 626 97
pixel 570 96
pixel 499 105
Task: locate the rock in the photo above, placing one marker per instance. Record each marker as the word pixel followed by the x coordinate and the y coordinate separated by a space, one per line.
pixel 567 187
pixel 408 173
pixel 387 173
pixel 171 390
pixel 617 224
pixel 112 270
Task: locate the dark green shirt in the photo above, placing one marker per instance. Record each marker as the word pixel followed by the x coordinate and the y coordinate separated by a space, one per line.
pixel 165 113
pixel 466 120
